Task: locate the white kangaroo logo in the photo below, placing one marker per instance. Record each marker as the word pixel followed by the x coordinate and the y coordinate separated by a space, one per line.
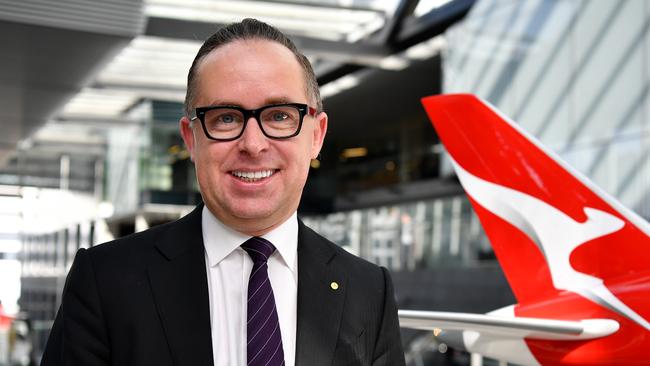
pixel 556 234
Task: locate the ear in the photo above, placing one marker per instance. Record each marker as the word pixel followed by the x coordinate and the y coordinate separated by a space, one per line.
pixel 185 126
pixel 320 129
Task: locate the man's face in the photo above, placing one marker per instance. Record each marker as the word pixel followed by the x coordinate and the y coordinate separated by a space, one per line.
pixel 251 74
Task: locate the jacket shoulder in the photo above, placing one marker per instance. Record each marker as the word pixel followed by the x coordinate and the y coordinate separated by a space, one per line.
pixel 176 235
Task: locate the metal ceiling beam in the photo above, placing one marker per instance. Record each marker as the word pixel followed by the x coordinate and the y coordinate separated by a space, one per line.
pixel 138 87
pixel 412 31
pixel 180 29
pixel 391 29
pixel 52 152
pixel 94 121
pixel 145 91
pixel 415 30
pixel 54 148
pixel 335 71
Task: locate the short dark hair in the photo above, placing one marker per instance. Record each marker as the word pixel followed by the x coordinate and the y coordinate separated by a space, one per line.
pixel 249 29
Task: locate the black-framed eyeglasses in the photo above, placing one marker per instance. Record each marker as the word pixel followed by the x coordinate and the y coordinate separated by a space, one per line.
pixel 277 121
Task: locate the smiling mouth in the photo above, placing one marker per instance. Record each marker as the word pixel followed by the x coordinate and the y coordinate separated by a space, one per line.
pixel 250 177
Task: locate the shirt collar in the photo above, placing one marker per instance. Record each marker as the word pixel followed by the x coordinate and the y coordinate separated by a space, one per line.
pixel 220 240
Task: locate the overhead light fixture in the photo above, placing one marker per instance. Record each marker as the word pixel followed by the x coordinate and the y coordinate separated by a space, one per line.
pixel 437 148
pixel 394 63
pixel 151 62
pixel 343 83
pixel 365 30
pixel 99 102
pixel 427 49
pixel 354 152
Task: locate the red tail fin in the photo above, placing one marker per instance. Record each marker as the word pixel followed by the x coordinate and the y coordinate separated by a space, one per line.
pixel 550 227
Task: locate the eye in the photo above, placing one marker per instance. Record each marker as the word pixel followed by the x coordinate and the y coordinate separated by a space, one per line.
pixel 227 118
pixel 279 116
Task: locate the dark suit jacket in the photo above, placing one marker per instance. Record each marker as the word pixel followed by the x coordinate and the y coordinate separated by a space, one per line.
pixel 143 300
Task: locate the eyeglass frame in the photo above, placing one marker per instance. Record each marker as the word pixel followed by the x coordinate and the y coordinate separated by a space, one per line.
pixel 303 109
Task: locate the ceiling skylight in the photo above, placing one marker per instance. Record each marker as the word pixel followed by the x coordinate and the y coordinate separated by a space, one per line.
pixel 318 20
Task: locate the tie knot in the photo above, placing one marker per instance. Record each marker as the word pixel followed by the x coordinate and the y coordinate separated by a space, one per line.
pixel 259 249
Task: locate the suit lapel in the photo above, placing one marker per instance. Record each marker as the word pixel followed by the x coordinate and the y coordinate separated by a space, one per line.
pixel 319 305
pixel 178 280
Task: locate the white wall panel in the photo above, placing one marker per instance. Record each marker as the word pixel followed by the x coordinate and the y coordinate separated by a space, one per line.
pixel 574 73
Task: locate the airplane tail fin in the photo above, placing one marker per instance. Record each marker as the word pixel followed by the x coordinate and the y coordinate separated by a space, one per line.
pixel 550 227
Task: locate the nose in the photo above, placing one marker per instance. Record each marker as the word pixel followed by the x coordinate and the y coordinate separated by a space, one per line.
pixel 252 140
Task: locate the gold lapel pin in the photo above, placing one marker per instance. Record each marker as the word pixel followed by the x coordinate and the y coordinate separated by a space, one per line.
pixel 334 286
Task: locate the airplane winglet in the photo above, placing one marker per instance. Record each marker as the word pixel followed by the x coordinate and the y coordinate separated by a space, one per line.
pixel 519 327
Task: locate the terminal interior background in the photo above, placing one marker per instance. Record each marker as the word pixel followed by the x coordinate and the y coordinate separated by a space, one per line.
pixel 91 94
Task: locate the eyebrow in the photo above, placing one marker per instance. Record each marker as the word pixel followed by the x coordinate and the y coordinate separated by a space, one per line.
pixel 274 100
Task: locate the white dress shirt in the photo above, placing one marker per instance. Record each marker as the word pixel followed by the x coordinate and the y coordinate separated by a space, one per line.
pixel 228 268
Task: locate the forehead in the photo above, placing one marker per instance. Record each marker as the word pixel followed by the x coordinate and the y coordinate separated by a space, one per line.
pixel 243 65
pixel 250 46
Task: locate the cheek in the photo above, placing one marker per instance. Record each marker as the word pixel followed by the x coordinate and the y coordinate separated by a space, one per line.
pixel 303 170
pixel 200 162
pixel 202 175
pixel 300 156
pixel 206 164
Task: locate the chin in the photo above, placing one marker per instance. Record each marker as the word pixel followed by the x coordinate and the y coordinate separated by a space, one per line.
pixel 253 212
pixel 253 215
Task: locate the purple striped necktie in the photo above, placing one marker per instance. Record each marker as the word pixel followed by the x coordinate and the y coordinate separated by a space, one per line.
pixel 264 346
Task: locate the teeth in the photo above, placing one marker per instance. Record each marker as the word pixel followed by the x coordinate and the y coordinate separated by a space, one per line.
pixel 253 175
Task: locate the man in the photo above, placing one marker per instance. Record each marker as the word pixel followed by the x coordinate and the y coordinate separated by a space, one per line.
pixel 240 280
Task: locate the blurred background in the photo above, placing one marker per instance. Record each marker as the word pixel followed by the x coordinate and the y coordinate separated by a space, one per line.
pixel 91 92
